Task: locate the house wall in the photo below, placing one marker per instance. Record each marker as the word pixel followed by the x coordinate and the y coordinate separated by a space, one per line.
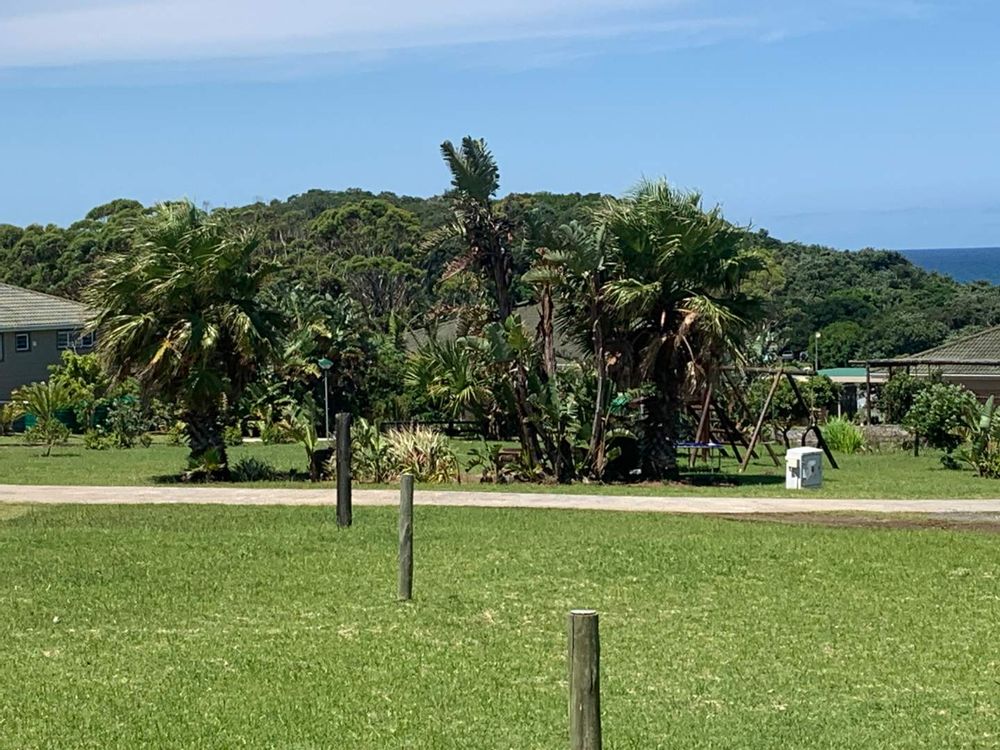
pixel 20 368
pixel 982 386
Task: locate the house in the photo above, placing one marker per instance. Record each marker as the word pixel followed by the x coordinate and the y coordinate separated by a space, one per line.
pixel 971 361
pixel 35 329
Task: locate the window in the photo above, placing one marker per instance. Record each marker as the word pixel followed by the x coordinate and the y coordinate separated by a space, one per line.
pixel 22 342
pixel 70 339
pixel 65 339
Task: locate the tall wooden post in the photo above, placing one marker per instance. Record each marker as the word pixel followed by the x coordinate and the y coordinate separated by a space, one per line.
pixel 406 538
pixel 868 393
pixel 344 512
pixel 584 681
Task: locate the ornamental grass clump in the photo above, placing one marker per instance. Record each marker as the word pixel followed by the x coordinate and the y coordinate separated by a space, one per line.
pixel 424 453
pixel 844 436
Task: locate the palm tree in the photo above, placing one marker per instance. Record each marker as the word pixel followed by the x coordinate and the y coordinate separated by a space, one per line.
pixel 486 236
pixel 475 179
pixel 581 257
pixel 182 312
pixel 680 272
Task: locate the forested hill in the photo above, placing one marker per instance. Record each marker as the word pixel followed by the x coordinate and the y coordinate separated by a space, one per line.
pixel 867 303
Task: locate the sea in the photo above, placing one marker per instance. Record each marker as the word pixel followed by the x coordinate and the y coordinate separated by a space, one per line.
pixel 961 263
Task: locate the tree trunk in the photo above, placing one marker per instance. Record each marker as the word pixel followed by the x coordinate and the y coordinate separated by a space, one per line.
pixel 660 433
pixel 546 330
pixel 597 452
pixel 204 430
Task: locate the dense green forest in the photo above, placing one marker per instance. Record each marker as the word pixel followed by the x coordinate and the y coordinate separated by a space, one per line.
pixel 389 257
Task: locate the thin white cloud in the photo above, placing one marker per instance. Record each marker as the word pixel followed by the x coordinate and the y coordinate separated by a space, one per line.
pixel 51 33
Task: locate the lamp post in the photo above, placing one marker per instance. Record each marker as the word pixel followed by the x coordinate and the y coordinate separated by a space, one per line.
pixel 325 365
pixel 816 352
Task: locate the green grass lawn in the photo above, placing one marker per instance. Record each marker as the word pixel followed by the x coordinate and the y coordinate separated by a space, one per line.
pixel 210 627
pixel 868 475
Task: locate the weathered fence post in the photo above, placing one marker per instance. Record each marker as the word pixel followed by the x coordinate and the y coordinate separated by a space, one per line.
pixel 343 469
pixel 584 681
pixel 406 538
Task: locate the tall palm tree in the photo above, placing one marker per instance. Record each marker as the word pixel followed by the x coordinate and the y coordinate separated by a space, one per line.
pixel 182 312
pixel 581 255
pixel 486 235
pixel 678 284
pixel 475 179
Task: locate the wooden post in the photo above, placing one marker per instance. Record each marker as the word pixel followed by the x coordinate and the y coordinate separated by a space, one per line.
pixel 344 511
pixel 755 436
pixel 868 393
pixel 584 681
pixel 406 538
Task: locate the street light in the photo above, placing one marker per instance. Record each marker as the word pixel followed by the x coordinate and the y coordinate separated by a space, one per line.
pixel 325 365
pixel 816 352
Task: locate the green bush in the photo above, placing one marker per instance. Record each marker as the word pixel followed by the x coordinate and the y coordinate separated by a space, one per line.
pixel 898 394
pixel 96 439
pixel 177 434
pixel 982 445
pixel 127 424
pixel 370 458
pixel 252 469
pixel 844 436
pixel 232 436
pixel 940 413
pixel 44 401
pixel 48 433
pixel 424 453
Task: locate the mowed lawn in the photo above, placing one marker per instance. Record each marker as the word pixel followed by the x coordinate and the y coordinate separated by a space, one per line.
pixel 211 627
pixel 890 474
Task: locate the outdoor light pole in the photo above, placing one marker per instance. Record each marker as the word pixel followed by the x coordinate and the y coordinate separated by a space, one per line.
pixel 816 352
pixel 325 366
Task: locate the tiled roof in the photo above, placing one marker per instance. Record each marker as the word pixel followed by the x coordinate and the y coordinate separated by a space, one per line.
pixel 984 345
pixel 24 309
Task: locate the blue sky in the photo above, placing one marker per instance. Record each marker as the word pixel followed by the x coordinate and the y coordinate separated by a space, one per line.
pixel 844 122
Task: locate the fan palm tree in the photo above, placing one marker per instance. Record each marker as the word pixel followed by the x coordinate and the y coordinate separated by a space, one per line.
pixel 182 312
pixel 678 285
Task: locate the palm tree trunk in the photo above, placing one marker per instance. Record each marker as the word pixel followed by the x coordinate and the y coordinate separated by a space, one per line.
pixel 660 433
pixel 204 431
pixel 546 330
pixel 597 451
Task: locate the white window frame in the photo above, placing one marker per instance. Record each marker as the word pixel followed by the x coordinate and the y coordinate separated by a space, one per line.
pixel 17 342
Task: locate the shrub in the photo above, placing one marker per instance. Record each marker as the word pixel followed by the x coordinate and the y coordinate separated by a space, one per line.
pixel 44 401
pixel 982 447
pixel 370 457
pixel 843 436
pixel 424 453
pixel 897 396
pixel 939 414
pixel 274 434
pixel 252 469
pixel 489 457
pixel 127 424
pixel 96 439
pixel 202 468
pixel 232 435
pixel 48 433
pixel 177 434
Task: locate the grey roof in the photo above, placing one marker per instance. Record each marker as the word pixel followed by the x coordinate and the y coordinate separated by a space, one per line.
pixel 566 348
pixel 27 310
pixel 965 355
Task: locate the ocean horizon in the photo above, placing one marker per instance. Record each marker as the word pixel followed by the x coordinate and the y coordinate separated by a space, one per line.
pixel 961 263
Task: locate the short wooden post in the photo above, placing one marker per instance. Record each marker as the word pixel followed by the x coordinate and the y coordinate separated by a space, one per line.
pixel 344 512
pixel 406 538
pixel 584 681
